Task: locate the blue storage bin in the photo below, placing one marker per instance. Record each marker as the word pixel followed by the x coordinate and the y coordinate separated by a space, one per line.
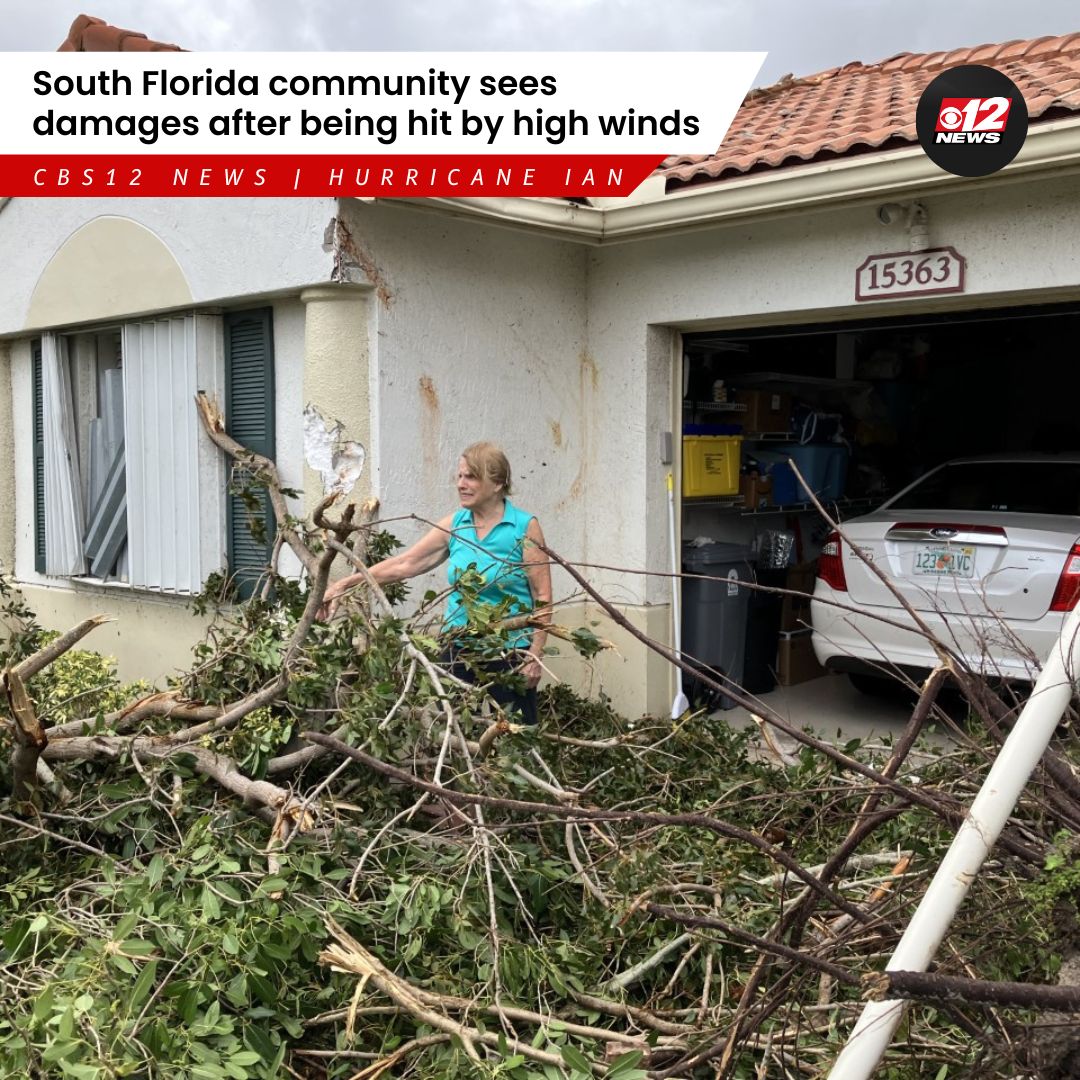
pixel 823 467
pixel 836 473
pixel 785 488
pixel 813 462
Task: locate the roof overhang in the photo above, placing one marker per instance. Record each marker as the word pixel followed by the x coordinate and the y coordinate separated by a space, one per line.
pixel 1051 148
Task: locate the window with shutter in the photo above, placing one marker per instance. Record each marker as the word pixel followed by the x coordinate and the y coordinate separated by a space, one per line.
pixel 249 417
pixel 39 459
pixel 143 500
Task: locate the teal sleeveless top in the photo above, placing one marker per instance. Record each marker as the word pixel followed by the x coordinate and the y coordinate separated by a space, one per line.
pixel 499 559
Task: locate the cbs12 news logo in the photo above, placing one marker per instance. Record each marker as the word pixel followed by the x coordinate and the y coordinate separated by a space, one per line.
pixel 971 120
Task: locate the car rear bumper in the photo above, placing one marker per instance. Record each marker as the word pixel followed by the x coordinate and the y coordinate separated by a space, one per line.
pixel 857 641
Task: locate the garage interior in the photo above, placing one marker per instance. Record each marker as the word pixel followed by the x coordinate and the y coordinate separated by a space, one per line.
pixel 864 408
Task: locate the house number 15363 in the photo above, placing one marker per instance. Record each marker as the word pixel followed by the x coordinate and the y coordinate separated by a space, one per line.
pixel 910 273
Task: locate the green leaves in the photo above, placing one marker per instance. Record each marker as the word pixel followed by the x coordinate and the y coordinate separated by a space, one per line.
pixel 625 1067
pixel 576 1060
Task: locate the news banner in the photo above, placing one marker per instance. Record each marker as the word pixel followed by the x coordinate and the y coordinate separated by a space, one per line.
pixel 359 124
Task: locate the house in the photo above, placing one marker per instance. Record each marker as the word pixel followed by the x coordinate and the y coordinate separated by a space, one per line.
pixel 572 334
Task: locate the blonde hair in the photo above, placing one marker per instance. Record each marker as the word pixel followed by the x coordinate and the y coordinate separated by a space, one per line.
pixel 487 461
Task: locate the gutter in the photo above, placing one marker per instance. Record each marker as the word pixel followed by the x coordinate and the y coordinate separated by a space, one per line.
pixel 1051 148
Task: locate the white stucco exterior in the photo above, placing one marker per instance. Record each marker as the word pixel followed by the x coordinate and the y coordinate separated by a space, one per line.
pixel 223 248
pixel 563 350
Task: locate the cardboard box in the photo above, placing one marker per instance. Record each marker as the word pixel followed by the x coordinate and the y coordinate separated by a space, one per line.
pixel 795 610
pixel 796 662
pixel 756 490
pixel 765 410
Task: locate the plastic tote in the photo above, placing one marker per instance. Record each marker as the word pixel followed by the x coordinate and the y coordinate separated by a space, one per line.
pixel 710 465
pixel 823 467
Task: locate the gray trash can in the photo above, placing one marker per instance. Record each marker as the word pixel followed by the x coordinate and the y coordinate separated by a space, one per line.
pixel 715 607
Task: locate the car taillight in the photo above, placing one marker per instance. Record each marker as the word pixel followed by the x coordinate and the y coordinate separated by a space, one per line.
pixel 831 564
pixel 1068 587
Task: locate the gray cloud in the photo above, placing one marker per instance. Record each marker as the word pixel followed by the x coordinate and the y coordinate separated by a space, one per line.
pixel 800 37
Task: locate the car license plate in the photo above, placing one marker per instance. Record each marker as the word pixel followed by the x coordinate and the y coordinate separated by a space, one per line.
pixel 945 560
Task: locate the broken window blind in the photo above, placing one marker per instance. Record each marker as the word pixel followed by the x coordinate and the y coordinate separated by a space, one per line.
pixel 249 418
pixel 64 519
pixel 106 534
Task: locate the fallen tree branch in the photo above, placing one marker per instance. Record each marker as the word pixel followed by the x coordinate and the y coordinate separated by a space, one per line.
pixel 29 667
pixel 744 937
pixel 920 985
pixel 29 735
pixel 262 468
pixel 702 821
pixel 348 955
pixel 632 974
pixel 951 813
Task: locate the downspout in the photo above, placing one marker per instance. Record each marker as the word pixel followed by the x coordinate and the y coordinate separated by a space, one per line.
pixel 1050 697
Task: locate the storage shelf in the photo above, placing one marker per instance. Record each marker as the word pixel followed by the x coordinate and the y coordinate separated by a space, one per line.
pixel 769 436
pixel 714 406
pixel 737 504
pixel 779 378
pixel 836 507
pixel 720 502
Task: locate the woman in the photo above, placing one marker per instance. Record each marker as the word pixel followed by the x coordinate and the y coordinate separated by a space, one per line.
pixel 499 541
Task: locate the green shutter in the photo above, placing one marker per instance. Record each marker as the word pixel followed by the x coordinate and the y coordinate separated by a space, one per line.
pixel 249 418
pixel 39 458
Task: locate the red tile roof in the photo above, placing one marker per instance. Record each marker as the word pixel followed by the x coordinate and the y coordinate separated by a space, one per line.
pixel 861 107
pixel 88 34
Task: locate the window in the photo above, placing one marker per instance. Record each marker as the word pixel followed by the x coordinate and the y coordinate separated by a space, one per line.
pixel 126 485
pixel 1038 486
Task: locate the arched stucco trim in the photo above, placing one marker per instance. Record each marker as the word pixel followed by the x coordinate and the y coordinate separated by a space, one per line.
pixel 111 266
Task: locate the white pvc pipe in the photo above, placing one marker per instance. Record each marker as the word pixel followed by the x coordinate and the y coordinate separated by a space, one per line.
pixel 989 812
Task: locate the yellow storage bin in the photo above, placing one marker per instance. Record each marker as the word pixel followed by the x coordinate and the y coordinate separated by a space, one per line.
pixel 710 464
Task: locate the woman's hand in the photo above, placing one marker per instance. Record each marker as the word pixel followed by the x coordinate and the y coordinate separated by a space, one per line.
pixel 532 669
pixel 332 597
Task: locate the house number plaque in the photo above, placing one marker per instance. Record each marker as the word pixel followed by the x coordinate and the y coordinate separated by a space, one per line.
pixel 910 273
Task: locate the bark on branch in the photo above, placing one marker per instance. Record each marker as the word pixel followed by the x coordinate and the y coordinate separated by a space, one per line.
pixel 29 733
pixel 56 648
pixel 30 738
pixel 919 985
pixel 263 469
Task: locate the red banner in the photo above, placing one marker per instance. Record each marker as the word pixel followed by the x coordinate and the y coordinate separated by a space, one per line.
pixel 382 176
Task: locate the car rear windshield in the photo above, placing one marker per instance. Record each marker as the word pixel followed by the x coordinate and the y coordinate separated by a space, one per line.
pixel 1018 487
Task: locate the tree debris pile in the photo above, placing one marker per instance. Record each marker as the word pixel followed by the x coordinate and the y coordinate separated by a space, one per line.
pixel 318 855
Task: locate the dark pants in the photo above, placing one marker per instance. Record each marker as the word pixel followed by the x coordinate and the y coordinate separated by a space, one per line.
pixel 520 707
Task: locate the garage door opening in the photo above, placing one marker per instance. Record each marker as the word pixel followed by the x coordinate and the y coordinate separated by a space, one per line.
pixel 864 408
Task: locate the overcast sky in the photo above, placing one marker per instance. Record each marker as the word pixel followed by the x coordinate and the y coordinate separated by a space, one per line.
pixel 801 36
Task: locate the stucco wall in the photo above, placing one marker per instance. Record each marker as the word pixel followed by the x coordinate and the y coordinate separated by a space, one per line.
pixel 221 249
pixel 483 333
pixel 479 334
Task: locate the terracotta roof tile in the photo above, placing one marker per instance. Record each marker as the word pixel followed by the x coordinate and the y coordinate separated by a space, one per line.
pixel 861 107
pixel 88 34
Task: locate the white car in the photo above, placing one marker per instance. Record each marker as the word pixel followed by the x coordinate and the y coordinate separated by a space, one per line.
pixel 985 549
